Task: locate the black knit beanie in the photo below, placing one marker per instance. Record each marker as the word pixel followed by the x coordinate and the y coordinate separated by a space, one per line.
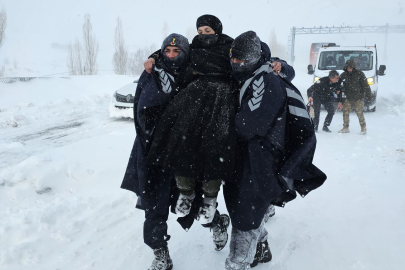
pixel 246 47
pixel 211 21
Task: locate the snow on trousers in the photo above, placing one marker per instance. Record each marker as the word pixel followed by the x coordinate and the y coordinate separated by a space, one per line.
pixel 243 247
pixel 347 108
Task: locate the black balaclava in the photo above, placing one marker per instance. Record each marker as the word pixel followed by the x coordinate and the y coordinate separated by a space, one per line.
pixel 214 23
pixel 245 47
pixel 175 40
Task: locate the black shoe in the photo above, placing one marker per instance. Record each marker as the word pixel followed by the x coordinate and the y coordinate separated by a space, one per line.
pixel 220 232
pixel 326 129
pixel 263 254
pixel 162 259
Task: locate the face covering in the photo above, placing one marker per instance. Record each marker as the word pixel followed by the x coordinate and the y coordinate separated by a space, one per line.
pixel 207 40
pixel 241 71
pixel 175 64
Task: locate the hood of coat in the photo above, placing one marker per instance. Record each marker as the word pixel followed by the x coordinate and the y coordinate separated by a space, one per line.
pixel 350 63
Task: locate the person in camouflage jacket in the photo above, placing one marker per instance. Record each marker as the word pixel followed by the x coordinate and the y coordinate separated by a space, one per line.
pixel 355 87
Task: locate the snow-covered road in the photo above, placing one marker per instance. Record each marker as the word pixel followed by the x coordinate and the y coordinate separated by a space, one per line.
pixel 61 206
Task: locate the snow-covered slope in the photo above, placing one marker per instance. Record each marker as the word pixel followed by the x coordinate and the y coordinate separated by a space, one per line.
pixel 38 115
pixel 62 208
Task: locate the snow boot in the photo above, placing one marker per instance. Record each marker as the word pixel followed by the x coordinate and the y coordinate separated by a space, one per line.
pixel 316 128
pixel 262 255
pixel 162 259
pixel 207 211
pixel 344 130
pixel 363 130
pixel 326 129
pixel 271 211
pixel 183 204
pixel 220 232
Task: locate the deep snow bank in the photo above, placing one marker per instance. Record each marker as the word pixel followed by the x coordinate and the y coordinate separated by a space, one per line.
pixel 39 100
pixel 62 208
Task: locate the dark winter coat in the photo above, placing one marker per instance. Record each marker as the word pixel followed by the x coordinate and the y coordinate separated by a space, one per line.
pixel 323 90
pixel 153 93
pixel 355 83
pixel 195 136
pixel 277 143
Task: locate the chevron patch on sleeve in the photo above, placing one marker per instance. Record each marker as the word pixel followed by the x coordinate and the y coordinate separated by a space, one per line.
pixel 258 91
pixel 164 80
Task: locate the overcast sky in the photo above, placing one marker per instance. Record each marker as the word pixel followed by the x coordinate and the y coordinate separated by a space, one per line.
pixel 38 31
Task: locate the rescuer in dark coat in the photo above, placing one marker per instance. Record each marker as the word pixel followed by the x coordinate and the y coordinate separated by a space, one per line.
pixel 322 92
pixel 277 144
pixel 156 189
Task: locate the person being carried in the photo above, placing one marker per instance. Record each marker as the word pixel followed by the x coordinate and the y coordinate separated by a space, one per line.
pixel 195 138
pixel 322 92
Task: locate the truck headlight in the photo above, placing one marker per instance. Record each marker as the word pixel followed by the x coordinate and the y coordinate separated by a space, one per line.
pixel 370 81
pixel 316 79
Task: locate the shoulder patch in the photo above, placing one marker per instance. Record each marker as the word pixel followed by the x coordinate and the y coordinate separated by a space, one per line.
pixel 258 91
pixel 164 80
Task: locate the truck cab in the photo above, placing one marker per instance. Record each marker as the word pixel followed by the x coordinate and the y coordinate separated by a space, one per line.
pixel 365 57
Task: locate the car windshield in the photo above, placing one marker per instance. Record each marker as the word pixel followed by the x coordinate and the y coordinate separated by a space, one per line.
pixel 337 59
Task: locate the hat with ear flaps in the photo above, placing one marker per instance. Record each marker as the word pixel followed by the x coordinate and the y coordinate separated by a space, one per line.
pixel 211 21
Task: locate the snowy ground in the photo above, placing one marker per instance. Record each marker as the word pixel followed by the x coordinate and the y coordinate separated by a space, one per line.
pixel 62 159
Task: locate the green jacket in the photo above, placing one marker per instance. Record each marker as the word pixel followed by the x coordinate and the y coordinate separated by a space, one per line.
pixel 355 83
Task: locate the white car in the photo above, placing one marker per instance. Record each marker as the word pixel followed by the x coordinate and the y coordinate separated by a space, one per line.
pixel 122 102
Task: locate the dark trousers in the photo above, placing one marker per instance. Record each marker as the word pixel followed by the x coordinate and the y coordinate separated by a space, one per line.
pixel 328 104
pixel 156 201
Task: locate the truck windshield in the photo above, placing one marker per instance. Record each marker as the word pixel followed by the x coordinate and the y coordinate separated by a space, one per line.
pixel 337 59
